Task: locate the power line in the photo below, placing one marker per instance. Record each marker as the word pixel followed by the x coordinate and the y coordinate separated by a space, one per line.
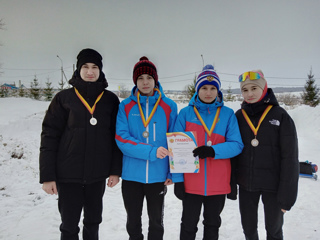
pixel 30 69
pixel 167 77
pixel 38 74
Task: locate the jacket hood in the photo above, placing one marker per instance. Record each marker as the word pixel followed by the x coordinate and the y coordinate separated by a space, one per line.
pixel 88 89
pixel 195 101
pixel 258 107
pixel 134 92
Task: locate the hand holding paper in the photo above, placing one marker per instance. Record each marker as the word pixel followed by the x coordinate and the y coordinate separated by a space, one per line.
pixel 204 152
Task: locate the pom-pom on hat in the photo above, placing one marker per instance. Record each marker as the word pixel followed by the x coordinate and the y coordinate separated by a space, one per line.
pixel 144 66
pixel 261 82
pixel 208 76
pixel 89 55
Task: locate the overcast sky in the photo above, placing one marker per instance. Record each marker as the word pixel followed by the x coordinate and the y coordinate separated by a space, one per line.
pixel 280 37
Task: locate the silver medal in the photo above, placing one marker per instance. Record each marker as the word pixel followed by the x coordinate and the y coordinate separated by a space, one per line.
pixel 93 121
pixel 209 143
pixel 254 142
pixel 145 134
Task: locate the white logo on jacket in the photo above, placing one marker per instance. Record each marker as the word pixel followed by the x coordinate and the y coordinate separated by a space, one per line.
pixel 275 122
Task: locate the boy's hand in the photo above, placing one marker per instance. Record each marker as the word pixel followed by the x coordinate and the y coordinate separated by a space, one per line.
pixel 162 152
pixel 204 152
pixel 50 187
pixel 113 180
pixel 168 182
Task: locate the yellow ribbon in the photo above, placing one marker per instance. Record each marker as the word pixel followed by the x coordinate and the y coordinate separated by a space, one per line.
pixel 216 117
pixel 145 123
pixel 91 110
pixel 255 130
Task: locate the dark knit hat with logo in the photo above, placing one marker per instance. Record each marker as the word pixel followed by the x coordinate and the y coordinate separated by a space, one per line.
pixel 208 76
pixel 89 55
pixel 144 66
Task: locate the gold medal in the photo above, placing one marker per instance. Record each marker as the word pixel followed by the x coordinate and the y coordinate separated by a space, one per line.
pixel 93 121
pixel 254 142
pixel 145 134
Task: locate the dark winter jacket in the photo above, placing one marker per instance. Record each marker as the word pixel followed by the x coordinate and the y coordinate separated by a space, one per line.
pixel 73 150
pixel 273 165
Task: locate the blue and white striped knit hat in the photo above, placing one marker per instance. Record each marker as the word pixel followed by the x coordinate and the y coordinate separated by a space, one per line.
pixel 208 76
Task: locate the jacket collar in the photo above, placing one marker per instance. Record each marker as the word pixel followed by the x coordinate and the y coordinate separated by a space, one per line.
pixel 259 107
pixel 201 106
pixel 151 99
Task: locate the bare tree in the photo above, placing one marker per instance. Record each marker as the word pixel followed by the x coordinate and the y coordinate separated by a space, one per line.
pixel 123 91
pixel 1 24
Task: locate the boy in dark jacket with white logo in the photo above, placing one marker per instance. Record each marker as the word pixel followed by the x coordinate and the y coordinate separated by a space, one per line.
pixel 78 151
pixel 268 166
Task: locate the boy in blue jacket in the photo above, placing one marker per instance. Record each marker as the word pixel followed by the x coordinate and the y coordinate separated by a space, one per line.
pixel 209 187
pixel 142 123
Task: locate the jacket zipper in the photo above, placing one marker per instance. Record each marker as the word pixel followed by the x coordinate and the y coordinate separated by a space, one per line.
pixel 154 131
pixel 147 129
pixel 251 162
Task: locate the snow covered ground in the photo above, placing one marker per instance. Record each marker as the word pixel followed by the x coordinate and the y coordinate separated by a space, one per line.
pixel 27 213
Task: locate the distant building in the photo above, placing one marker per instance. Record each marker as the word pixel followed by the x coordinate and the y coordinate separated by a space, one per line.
pixel 9 86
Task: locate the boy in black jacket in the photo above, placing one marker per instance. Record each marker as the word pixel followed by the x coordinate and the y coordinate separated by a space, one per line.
pixel 78 151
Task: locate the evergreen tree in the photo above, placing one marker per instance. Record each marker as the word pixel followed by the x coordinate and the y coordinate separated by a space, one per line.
pixel 21 92
pixel 229 97
pixel 191 88
pixel 35 89
pixel 48 91
pixel 311 94
pixel 61 84
pixel 2 93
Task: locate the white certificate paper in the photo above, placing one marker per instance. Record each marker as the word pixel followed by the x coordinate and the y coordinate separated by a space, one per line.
pixel 180 146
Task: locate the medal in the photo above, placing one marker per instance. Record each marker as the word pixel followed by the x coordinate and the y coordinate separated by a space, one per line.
pixel 93 121
pixel 145 134
pixel 254 142
pixel 144 121
pixel 214 123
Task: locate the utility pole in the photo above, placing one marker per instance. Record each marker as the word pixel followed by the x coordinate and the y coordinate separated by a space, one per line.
pixel 202 60
pixel 62 74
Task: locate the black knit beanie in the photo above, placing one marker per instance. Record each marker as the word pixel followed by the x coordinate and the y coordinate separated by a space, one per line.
pixel 89 55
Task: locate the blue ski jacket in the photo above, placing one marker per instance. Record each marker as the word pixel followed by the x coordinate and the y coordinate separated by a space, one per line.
pixel 214 174
pixel 140 163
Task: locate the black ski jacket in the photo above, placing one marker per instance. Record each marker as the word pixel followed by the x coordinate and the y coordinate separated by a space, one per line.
pixel 73 150
pixel 273 165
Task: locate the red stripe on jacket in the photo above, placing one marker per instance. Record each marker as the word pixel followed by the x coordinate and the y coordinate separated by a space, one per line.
pixel 128 107
pixel 167 110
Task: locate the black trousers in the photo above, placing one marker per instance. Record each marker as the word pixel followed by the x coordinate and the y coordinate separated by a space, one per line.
pixel 248 202
pixel 133 194
pixel 73 197
pixel 213 206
